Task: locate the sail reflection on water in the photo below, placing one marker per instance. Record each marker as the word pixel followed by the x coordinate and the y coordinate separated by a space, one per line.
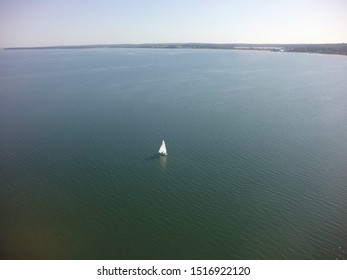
pixel 163 161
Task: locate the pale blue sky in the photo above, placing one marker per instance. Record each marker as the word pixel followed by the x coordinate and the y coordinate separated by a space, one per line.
pixel 72 22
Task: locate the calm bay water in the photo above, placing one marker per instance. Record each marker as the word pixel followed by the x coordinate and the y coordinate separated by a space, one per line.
pixel 257 164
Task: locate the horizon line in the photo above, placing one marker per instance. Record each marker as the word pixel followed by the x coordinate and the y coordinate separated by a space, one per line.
pixel 165 44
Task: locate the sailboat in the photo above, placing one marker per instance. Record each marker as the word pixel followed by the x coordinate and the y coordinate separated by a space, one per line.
pixel 162 150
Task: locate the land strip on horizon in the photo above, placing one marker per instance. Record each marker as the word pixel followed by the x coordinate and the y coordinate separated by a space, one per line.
pixel 340 48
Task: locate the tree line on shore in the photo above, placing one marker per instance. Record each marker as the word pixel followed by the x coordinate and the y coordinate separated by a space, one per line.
pixel 304 48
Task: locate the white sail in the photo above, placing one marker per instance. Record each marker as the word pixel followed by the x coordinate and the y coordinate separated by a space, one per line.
pixel 162 149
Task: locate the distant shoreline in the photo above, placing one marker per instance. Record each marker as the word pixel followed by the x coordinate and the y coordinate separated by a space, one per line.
pixel 337 49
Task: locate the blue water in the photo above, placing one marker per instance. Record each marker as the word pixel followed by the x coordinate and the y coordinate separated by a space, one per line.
pixel 257 164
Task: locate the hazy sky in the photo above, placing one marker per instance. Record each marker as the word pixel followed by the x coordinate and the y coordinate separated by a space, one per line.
pixel 73 22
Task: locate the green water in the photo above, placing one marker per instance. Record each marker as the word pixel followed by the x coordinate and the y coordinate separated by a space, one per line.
pixel 257 164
